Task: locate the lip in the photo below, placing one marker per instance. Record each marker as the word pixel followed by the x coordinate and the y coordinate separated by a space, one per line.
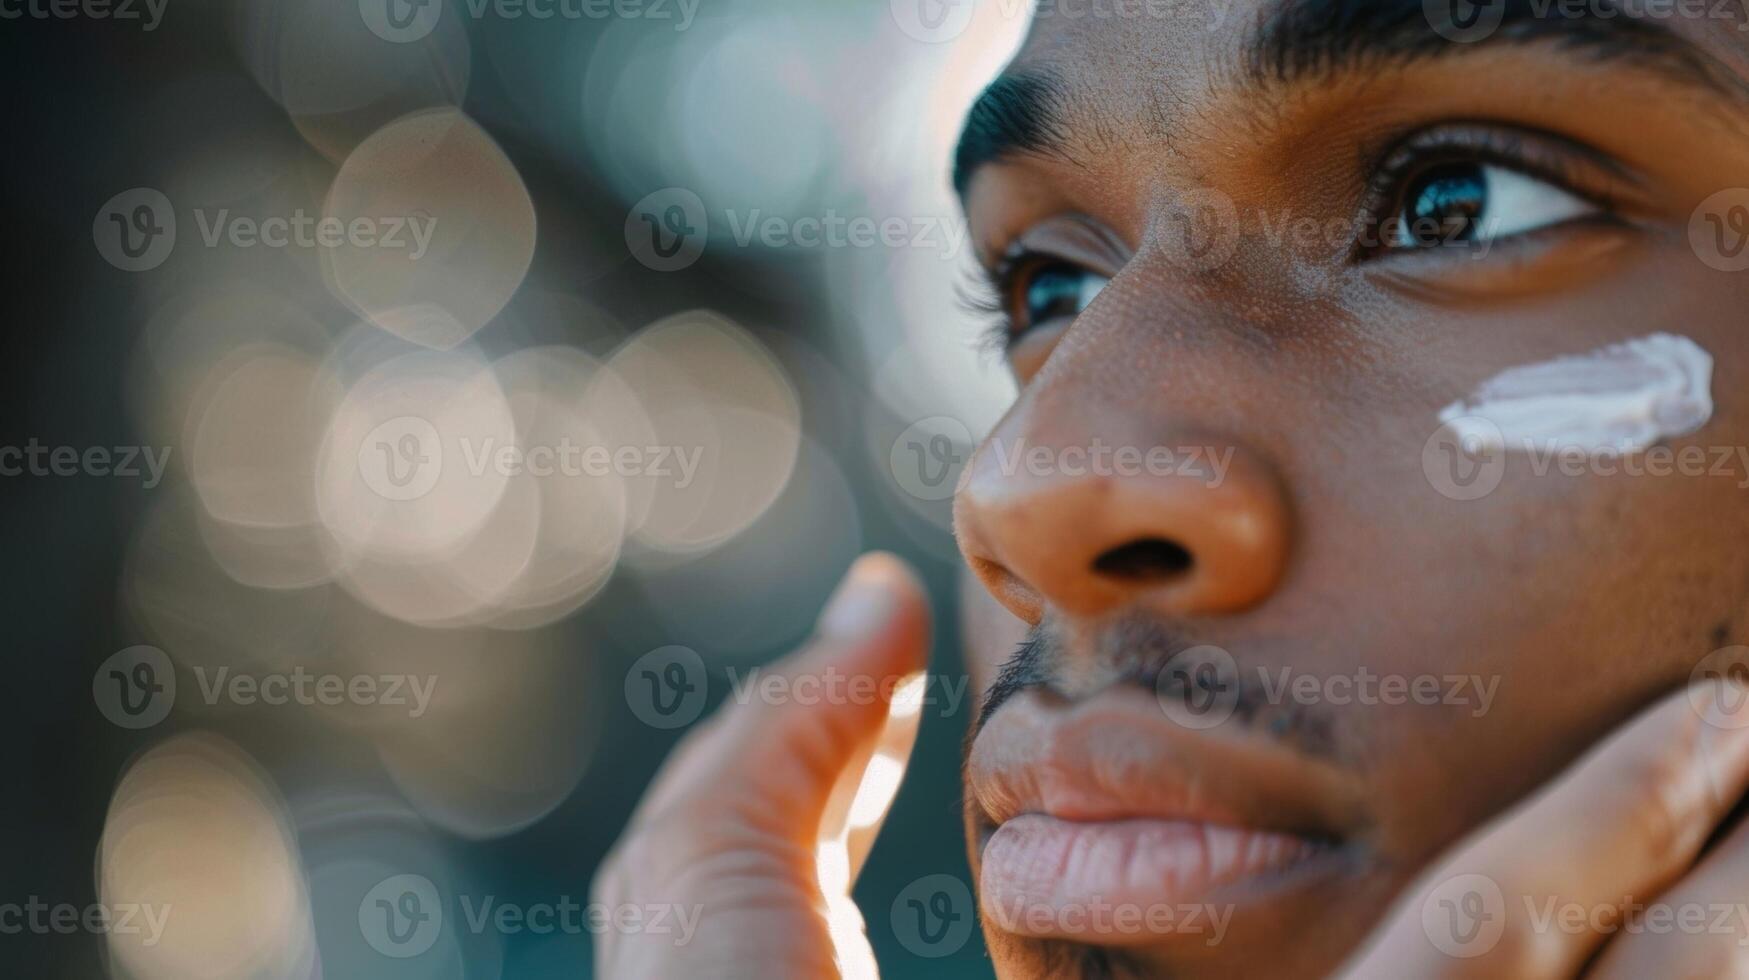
pixel 1106 807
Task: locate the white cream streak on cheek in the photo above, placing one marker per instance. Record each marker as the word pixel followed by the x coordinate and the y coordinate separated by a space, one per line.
pixel 1619 399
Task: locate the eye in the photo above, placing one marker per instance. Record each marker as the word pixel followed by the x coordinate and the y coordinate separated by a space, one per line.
pixel 1048 289
pixel 1475 202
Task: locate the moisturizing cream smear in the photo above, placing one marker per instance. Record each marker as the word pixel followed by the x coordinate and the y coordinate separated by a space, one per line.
pixel 1618 399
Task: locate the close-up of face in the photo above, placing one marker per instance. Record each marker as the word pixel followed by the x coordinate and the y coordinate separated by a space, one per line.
pixel 1291 250
pixel 860 489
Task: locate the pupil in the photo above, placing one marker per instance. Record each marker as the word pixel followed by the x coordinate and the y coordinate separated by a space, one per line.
pixel 1446 204
pixel 1054 292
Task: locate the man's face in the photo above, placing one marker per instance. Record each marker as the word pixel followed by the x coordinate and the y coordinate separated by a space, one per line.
pixel 1246 254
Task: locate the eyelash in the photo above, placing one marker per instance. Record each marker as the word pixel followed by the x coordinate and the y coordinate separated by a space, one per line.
pixel 1401 164
pixel 986 294
pixel 983 294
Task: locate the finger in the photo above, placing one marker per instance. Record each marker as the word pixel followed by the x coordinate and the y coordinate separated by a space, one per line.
pixel 1699 928
pixel 867 786
pixel 778 758
pixel 1625 820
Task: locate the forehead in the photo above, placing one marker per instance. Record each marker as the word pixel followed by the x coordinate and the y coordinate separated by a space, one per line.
pixel 1229 41
pixel 1136 49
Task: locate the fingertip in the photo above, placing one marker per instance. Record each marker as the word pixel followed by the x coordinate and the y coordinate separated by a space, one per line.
pixel 881 603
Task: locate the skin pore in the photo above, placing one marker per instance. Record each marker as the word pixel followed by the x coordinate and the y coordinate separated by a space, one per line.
pixel 1194 239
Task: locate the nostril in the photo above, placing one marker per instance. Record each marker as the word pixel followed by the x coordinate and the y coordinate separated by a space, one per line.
pixel 1150 559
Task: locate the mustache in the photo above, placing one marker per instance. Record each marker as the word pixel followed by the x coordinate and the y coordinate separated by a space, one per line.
pixel 1139 650
pixel 1139 653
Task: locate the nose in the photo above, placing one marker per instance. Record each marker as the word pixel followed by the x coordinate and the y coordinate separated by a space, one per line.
pixel 1047 517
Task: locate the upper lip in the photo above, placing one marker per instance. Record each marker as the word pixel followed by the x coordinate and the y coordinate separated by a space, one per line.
pixel 1118 756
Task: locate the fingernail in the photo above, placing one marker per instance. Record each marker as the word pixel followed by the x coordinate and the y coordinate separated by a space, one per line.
pixel 863 602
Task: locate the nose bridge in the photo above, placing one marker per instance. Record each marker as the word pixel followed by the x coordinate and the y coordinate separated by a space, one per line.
pixel 1090 498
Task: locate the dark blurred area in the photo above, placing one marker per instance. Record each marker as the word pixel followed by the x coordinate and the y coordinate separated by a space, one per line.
pixel 259 243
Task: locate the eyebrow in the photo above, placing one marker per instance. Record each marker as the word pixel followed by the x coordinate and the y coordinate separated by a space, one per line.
pixel 1017 113
pixel 1304 39
pixel 1300 41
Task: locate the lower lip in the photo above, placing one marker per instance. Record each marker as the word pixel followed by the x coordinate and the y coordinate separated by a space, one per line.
pixel 1113 881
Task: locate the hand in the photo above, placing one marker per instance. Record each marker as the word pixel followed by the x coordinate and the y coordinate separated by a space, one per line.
pixel 761 818
pixel 1600 873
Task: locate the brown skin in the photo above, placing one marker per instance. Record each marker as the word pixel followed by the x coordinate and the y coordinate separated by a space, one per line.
pixel 1590 598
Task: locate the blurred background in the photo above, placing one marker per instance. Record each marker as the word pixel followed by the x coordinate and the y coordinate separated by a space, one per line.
pixel 418 412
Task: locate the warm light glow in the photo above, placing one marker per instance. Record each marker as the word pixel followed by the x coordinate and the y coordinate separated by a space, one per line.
pixel 457 229
pixel 880 783
pixel 197 838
